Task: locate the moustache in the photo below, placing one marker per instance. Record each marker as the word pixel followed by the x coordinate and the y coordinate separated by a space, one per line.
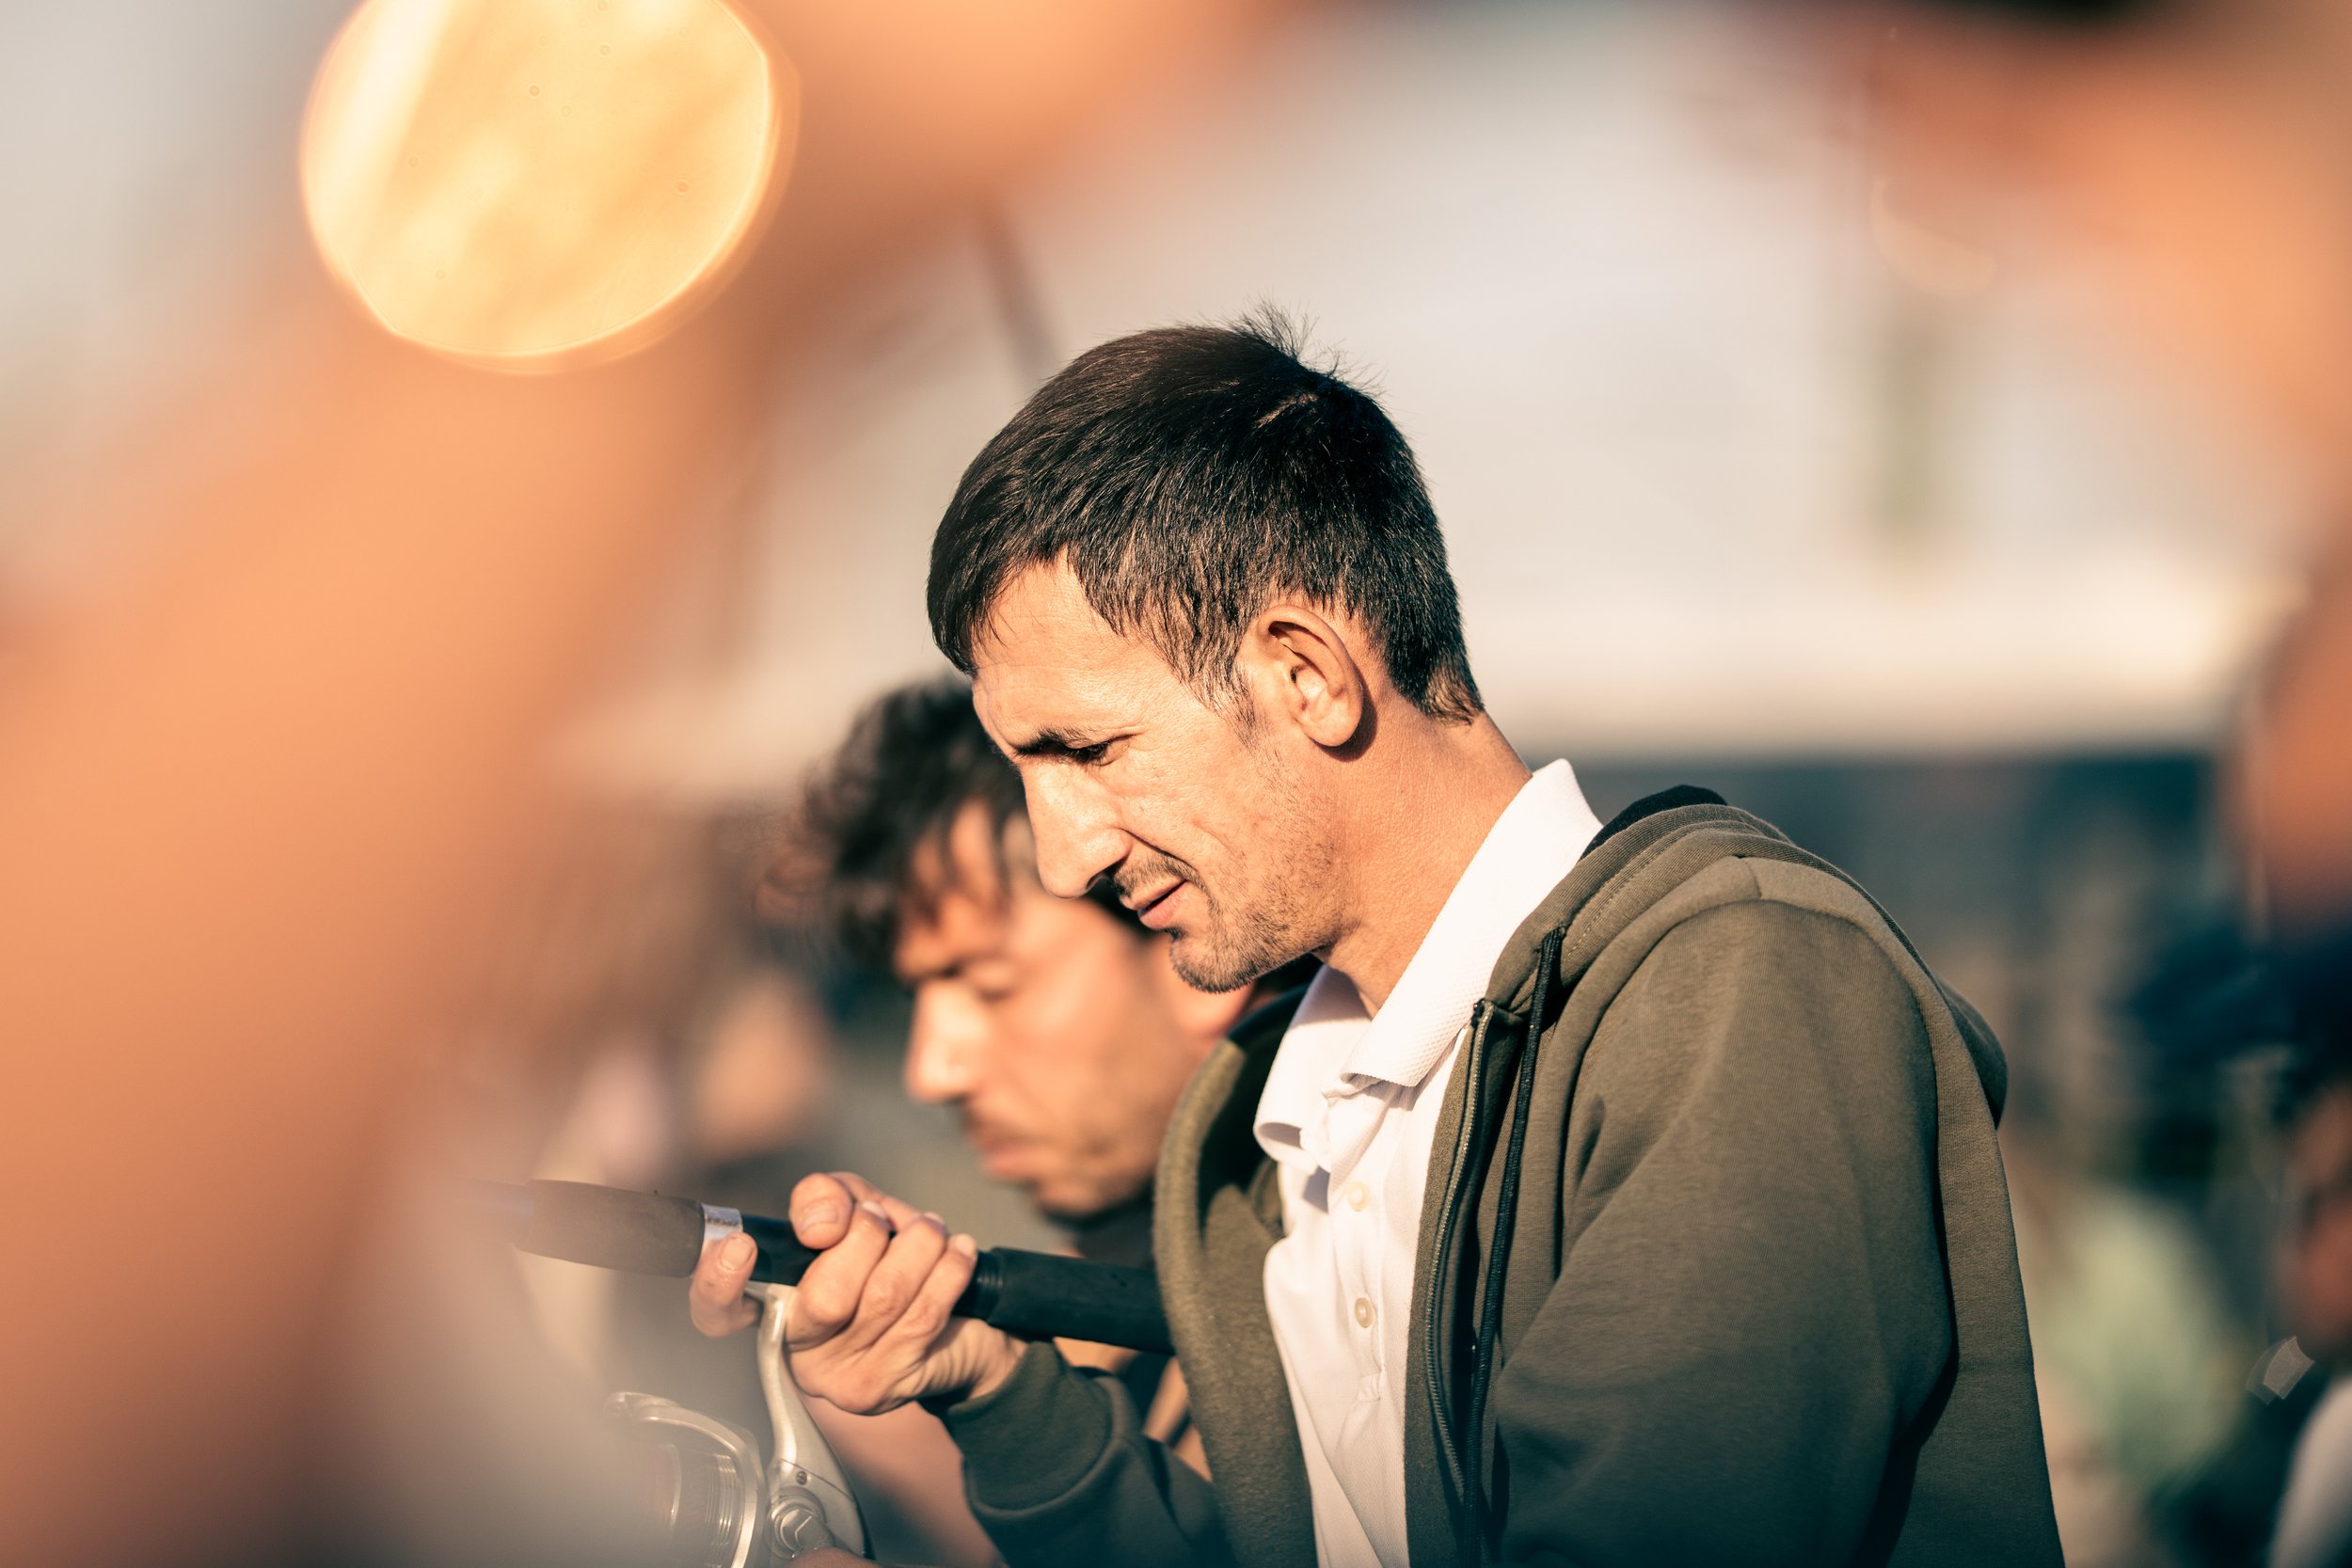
pixel 1136 877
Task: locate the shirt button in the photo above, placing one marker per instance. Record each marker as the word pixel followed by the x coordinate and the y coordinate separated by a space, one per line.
pixel 1363 1311
pixel 1358 1194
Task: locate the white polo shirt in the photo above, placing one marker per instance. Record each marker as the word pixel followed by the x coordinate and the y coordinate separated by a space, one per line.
pixel 1349 1113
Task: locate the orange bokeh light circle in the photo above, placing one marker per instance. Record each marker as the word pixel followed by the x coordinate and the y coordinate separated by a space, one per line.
pixel 531 184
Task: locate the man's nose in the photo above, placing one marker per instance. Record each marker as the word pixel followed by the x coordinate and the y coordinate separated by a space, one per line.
pixel 944 1046
pixel 1076 835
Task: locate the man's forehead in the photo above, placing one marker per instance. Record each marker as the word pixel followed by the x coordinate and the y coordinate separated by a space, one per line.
pixel 1042 617
pixel 1046 658
pixel 953 931
pixel 958 895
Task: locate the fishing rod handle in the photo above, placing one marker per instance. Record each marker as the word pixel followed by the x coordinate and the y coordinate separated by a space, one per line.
pixel 1035 1295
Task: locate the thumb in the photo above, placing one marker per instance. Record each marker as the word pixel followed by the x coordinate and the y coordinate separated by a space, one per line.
pixel 715 1300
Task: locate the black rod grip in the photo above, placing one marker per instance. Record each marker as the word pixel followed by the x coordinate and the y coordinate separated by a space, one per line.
pixel 1040 1296
pixel 782 1258
pixel 1035 1295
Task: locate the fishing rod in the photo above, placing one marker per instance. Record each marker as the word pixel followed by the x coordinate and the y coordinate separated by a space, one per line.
pixel 1034 1295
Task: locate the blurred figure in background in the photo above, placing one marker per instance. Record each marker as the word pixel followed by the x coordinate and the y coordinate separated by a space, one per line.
pixel 1057 1030
pixel 2277 1493
pixel 2197 154
pixel 2136 1366
pixel 2316 1267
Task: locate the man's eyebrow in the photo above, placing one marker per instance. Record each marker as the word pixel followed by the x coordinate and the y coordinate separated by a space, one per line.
pixel 913 978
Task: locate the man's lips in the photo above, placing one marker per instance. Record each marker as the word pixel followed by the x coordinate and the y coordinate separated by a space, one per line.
pixel 1005 1153
pixel 1158 911
pixel 1002 1159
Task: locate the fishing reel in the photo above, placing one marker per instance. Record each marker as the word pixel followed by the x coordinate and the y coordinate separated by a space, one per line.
pixel 715 1504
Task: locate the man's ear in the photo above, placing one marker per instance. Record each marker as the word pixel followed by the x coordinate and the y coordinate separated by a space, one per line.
pixel 1299 666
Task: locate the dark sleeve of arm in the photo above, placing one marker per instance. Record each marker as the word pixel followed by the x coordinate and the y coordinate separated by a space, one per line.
pixel 1751 1310
pixel 1058 1471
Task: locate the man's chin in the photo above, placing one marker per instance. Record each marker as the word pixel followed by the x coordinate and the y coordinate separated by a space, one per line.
pixel 1205 968
pixel 1093 1209
pixel 1070 1213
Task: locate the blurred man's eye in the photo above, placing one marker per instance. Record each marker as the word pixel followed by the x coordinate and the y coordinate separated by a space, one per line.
pixel 992 983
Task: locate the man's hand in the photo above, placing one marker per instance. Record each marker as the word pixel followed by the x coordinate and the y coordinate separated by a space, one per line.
pixel 870 1327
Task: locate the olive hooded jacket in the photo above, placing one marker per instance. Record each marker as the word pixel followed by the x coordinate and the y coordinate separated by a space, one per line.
pixel 1755 1299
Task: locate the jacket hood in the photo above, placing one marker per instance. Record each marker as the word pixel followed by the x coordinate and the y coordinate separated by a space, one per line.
pixel 1647 858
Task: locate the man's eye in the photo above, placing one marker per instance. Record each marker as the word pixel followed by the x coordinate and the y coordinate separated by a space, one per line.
pixel 992 984
pixel 1087 757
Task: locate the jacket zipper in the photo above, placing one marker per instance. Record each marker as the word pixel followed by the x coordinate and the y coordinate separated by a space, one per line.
pixel 1466 1141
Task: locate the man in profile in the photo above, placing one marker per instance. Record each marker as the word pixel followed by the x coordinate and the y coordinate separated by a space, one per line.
pixel 1618 1193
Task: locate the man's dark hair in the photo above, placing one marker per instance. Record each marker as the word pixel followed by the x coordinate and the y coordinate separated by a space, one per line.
pixel 1190 474
pixel 915 760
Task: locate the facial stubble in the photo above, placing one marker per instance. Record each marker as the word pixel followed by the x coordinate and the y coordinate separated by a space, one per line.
pixel 1269 915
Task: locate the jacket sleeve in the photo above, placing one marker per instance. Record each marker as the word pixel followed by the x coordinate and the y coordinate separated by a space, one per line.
pixel 1750 1314
pixel 1058 1471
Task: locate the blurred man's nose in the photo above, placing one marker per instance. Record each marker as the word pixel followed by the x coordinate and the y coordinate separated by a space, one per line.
pixel 944 1045
pixel 1075 831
